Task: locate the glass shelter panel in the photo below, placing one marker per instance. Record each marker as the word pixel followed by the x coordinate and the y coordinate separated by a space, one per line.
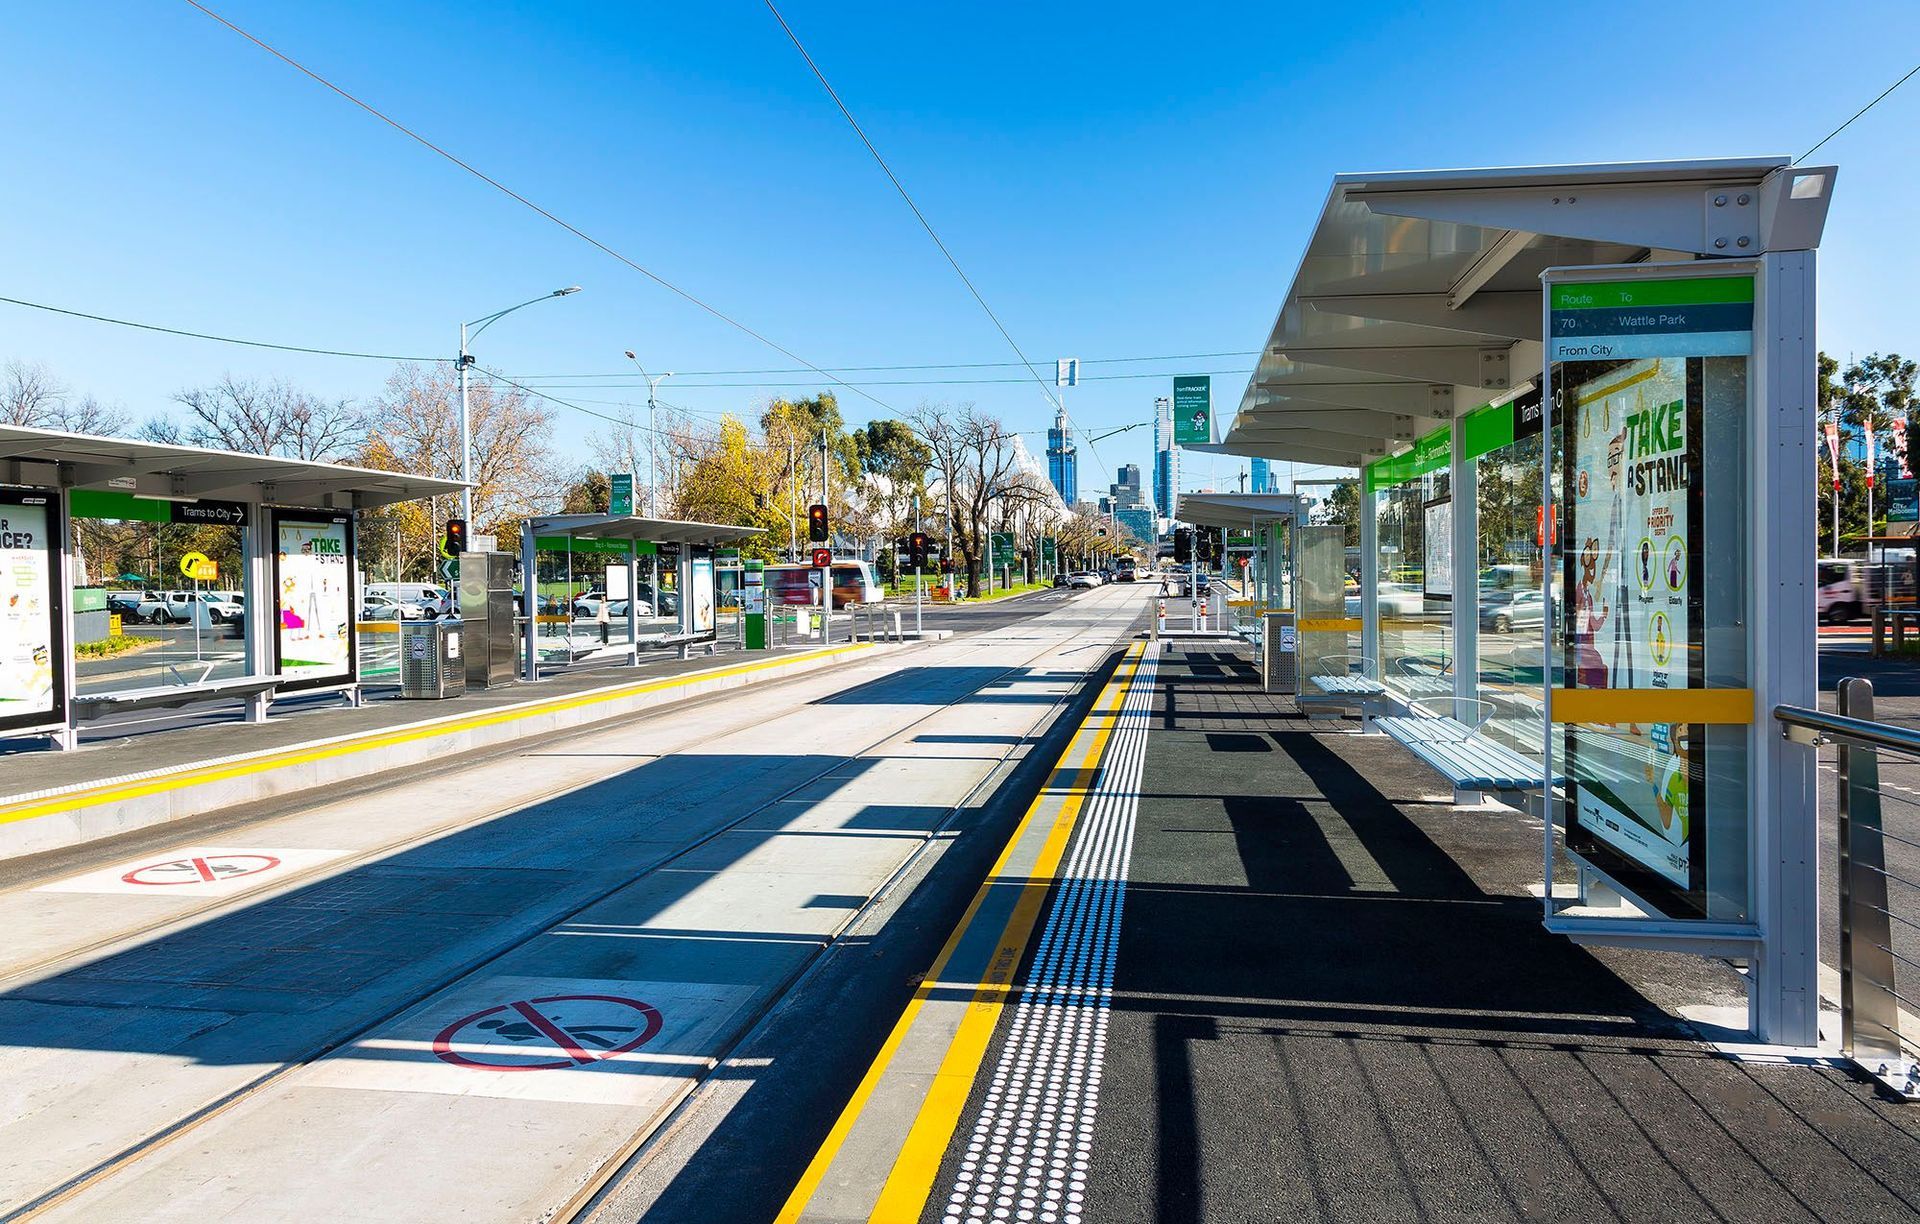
pixel 1416 658
pixel 1651 388
pixel 1321 613
pixel 1504 441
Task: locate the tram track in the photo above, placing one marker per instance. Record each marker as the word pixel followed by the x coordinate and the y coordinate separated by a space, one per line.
pixel 580 1203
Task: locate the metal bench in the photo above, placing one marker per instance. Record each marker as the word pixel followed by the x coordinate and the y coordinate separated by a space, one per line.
pixel 1475 764
pixel 171 696
pixel 1348 680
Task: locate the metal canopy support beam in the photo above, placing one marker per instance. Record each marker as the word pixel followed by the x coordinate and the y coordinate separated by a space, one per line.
pixel 1491 263
pixel 1411 398
pixel 1298 453
pixel 1278 430
pixel 1358 421
pixel 1463 488
pixel 1514 314
pixel 1711 215
pixel 1463 365
pixel 1370 579
pixel 1784 997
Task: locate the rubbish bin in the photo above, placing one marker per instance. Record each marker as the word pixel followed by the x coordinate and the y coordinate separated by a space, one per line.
pixel 430 662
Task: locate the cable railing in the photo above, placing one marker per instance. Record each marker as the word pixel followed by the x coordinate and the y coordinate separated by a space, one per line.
pixel 1879 884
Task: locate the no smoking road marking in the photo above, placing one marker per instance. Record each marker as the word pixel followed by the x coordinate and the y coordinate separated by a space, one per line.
pixel 201 870
pixel 195 871
pixel 549 1033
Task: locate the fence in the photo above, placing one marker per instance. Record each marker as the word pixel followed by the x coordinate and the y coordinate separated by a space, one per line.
pixel 1878 882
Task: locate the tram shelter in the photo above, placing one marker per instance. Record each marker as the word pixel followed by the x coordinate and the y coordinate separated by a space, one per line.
pixel 1581 403
pixel 298 568
pixel 684 549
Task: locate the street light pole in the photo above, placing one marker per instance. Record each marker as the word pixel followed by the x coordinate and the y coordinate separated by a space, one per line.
pixel 466 360
pixel 653 433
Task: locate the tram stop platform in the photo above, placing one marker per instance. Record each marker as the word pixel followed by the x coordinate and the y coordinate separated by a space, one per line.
pixel 210 766
pixel 1236 966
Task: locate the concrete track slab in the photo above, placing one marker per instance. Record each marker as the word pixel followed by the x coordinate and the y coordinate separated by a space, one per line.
pixel 585 870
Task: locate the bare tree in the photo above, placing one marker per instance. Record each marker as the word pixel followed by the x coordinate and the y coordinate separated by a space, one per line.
pixel 416 428
pixel 272 418
pixel 30 395
pixel 974 459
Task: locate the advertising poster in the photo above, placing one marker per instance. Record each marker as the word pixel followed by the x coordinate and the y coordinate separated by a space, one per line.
pixel 29 642
pixel 1437 573
pixel 698 603
pixel 1629 608
pixel 313 587
pixel 1630 361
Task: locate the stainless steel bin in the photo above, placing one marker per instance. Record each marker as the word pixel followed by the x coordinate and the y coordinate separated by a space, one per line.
pixel 430 659
pixel 1280 654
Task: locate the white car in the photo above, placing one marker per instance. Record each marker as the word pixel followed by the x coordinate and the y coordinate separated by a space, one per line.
pixel 1083 580
pixel 389 610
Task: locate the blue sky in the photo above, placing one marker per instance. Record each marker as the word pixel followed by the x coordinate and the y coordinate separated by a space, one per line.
pixel 1120 180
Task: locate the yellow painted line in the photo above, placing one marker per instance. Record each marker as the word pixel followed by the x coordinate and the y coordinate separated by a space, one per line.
pixel 1330 624
pixel 114 792
pixel 1732 706
pixel 911 1179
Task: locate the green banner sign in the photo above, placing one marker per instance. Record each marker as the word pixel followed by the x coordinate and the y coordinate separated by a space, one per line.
pixel 1001 547
pixel 1192 409
pixel 622 500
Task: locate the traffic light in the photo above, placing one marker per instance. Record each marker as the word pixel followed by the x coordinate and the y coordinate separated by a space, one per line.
pixel 822 558
pixel 817 523
pixel 1183 545
pixel 917 550
pixel 455 542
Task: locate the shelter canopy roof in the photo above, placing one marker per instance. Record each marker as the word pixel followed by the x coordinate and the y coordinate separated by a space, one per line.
pixel 1419 290
pixel 188 473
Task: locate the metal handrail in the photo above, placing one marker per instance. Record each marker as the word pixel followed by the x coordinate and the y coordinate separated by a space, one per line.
pixel 1870 998
pixel 1863 731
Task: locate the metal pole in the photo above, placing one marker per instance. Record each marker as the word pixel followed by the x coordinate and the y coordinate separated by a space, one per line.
pixel 466 437
pixel 826 571
pixel 919 588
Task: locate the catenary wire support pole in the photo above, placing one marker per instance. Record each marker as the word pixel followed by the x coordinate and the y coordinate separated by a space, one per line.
pixel 826 571
pixel 919 587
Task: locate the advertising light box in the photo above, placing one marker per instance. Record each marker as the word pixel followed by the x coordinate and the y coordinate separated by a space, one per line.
pixel 31 675
pixel 313 593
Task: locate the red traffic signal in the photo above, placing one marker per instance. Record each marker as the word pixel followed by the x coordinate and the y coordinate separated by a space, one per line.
pixel 822 558
pixel 917 549
pixel 817 523
pixel 455 541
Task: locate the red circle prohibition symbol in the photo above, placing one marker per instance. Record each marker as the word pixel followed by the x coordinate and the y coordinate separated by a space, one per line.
pixel 201 869
pixel 522 1020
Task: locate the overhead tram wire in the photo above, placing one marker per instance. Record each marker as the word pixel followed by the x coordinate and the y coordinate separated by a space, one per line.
pixel 898 382
pixel 497 185
pixel 926 225
pixel 194 335
pixel 949 365
pixel 1863 110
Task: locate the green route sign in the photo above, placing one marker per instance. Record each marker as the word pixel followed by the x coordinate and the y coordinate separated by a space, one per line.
pixel 1192 409
pixel 1001 547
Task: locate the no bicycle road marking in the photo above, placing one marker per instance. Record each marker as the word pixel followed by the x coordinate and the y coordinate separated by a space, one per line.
pixel 199 869
pixel 523 1035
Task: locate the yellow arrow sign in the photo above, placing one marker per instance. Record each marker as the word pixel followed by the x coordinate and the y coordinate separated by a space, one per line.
pixel 199 566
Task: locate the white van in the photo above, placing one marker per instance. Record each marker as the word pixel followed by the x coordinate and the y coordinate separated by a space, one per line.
pixel 1840 593
pixel 437 600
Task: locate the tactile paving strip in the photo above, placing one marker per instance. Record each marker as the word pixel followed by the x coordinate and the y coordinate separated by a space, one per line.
pixel 1027 1156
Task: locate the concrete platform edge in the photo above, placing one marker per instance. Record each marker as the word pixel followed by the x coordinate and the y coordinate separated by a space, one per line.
pixel 73 815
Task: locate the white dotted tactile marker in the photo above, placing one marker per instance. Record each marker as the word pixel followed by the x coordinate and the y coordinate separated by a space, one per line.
pixel 1027 1157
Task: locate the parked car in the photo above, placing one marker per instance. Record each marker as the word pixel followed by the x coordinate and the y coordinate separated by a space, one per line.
pixel 436 599
pixel 127 603
pixel 381 609
pixel 1840 592
pixel 1515 608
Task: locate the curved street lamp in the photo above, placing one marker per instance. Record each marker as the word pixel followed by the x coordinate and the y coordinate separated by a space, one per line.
pixel 466 359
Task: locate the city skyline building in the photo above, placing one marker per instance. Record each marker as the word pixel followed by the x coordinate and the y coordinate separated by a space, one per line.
pixel 1063 461
pixel 1166 459
pixel 1262 476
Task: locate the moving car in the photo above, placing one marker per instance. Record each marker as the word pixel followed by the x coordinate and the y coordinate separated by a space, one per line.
pixel 1085 580
pixel 1840 592
pixel 853 583
pixel 380 609
pixel 1503 611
